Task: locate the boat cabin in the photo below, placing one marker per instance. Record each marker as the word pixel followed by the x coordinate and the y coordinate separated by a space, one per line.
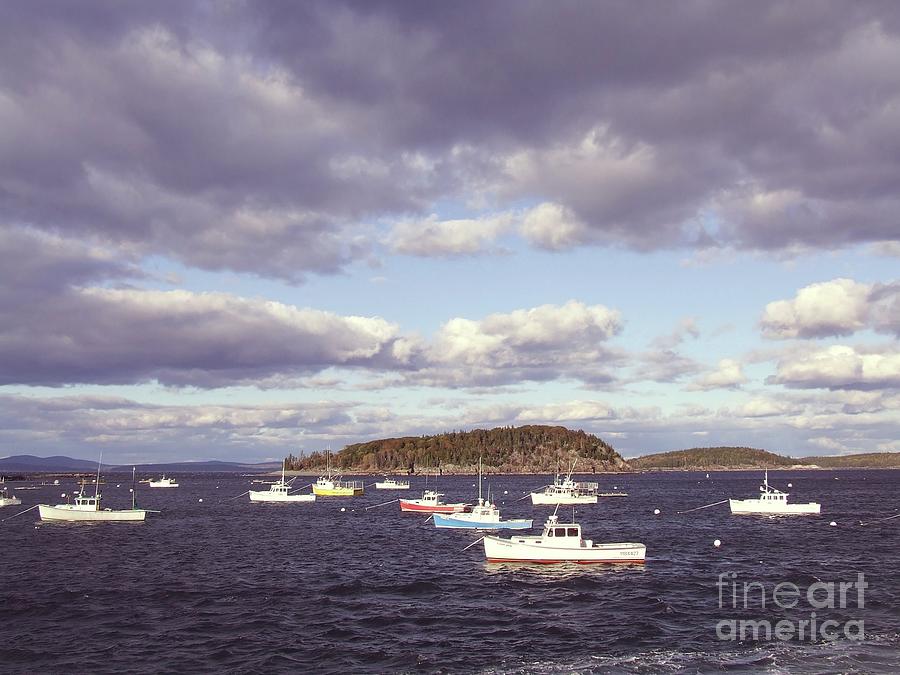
pixel 558 531
pixel 774 496
pixel 85 503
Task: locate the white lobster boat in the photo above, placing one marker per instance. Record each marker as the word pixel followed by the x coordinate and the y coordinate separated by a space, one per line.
pixel 392 484
pixel 6 500
pixel 566 491
pixel 560 543
pixel 772 502
pixel 279 492
pixel 87 509
pixel 163 483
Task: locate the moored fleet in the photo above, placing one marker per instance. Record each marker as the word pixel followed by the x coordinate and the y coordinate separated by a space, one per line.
pixel 558 542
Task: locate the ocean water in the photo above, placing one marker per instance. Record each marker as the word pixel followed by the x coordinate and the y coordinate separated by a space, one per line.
pixel 223 585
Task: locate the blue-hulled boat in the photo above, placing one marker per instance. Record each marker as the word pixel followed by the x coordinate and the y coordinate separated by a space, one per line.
pixel 483 516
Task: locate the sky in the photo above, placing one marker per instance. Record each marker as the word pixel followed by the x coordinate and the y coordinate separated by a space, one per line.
pixel 237 230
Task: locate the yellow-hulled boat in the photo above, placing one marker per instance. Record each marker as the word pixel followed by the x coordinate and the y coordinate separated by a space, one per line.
pixel 328 486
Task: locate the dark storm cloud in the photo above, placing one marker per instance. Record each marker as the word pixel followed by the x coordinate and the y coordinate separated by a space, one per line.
pixel 261 137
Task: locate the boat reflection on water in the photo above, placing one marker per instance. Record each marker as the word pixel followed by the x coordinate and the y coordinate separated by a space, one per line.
pixel 560 571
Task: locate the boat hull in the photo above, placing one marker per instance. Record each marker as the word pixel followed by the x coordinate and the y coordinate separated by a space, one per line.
pixel 337 491
pixel 540 499
pixel 9 501
pixel 266 496
pixel 758 507
pixel 451 522
pixel 414 506
pixel 497 549
pixel 53 513
pixel 392 486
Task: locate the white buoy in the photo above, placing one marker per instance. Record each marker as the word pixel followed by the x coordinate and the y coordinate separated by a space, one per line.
pixel 655 512
pixel 833 524
pixel 200 500
pixel 63 495
pixel 131 489
pixel 707 475
pixel 343 509
pixel 506 492
pixel 118 486
pixel 717 543
pixel 790 485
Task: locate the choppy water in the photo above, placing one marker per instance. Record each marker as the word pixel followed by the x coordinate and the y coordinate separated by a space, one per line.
pixel 227 586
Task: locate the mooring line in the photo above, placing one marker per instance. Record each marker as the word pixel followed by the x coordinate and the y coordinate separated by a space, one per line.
pixel 880 520
pixel 703 507
pixel 481 538
pixel 377 505
pixel 30 508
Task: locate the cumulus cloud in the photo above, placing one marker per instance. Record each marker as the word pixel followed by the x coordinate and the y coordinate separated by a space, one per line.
pixel 840 367
pixel 542 343
pixel 728 375
pixel 832 308
pixel 554 227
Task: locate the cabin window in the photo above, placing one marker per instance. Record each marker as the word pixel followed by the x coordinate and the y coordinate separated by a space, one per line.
pixel 560 532
pixel 573 532
pixel 550 532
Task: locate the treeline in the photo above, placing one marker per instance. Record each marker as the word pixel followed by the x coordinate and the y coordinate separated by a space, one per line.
pixel 712 458
pixel 869 460
pixel 526 449
pixel 742 458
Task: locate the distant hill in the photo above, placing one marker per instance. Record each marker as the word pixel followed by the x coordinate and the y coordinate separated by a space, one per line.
pixel 752 458
pixel 526 449
pixel 199 467
pixel 869 460
pixel 28 463
pixel 711 458
pixel 60 464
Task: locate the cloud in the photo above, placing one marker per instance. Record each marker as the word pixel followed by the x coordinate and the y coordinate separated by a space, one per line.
pixel 542 343
pixel 265 138
pixel 108 335
pixel 665 365
pixel 554 227
pixel 834 308
pixel 56 328
pixel 727 375
pixel 840 367
pixel 128 430
pixel 433 237
pixel 685 327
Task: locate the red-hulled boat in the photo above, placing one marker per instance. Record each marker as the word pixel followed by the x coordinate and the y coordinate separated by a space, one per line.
pixel 431 503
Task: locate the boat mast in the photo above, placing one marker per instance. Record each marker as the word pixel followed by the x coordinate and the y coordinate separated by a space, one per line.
pixel 282 471
pixel 97 485
pixel 133 494
pixel 480 500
